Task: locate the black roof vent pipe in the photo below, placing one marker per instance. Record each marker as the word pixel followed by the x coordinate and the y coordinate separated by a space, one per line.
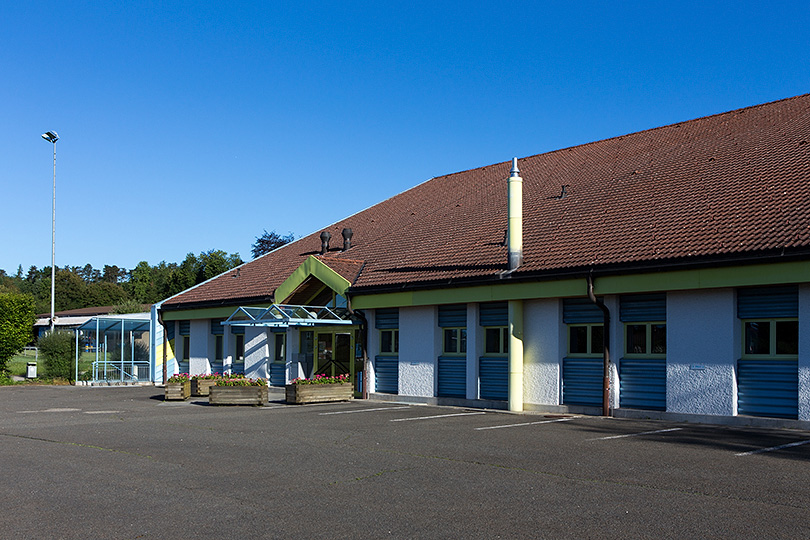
pixel 325 236
pixel 347 239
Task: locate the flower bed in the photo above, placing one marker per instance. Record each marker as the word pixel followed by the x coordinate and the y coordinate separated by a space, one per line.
pixel 319 389
pixel 201 384
pixel 178 387
pixel 238 391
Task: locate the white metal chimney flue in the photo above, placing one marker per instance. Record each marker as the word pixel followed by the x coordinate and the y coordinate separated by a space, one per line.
pixel 514 234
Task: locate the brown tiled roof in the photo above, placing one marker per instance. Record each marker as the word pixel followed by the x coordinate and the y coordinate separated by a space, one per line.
pixel 86 311
pixel 348 269
pixel 724 187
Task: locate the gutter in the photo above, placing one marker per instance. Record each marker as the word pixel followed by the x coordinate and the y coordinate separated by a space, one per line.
pixel 606 347
pixel 363 343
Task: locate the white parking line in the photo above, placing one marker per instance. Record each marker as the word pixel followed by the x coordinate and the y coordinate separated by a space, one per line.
pixel 101 412
pixel 364 410
pixel 528 423
pixel 773 448
pixel 635 434
pixel 437 416
pixel 49 410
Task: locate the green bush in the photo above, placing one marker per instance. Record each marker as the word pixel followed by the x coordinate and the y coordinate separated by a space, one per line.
pixel 58 351
pixel 141 353
pixel 16 321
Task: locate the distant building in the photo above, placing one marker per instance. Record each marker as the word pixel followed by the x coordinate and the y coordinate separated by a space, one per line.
pixel 69 319
pixel 472 288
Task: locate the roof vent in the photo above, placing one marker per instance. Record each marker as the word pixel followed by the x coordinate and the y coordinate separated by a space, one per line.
pixel 325 236
pixel 347 239
pixel 514 230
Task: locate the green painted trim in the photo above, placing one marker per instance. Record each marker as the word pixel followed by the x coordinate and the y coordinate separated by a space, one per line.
pixel 706 278
pixel 205 313
pixel 676 280
pixel 481 293
pixel 312 267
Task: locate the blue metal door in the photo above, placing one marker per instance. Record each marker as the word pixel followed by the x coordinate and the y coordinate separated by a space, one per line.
pixel 453 376
pixel 278 373
pixel 643 383
pixel 493 377
pixel 582 381
pixel 386 374
pixel 768 388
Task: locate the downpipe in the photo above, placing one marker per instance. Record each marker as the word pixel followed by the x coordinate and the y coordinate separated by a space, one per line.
pixel 606 347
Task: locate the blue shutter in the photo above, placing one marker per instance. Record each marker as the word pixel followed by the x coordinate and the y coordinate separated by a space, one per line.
pixel 278 373
pixel 582 381
pixel 643 307
pixel 185 328
pixel 768 302
pixel 169 329
pixel 237 329
pixel 643 383
pixel 386 374
pixel 581 310
pixel 453 316
pixel 768 388
pixel 387 318
pixel 493 375
pixel 216 328
pixel 452 376
pixel 493 314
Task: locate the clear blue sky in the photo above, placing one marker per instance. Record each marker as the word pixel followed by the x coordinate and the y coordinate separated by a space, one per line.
pixel 189 126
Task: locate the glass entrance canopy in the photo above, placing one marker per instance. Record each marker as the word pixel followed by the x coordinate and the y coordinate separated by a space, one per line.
pixel 286 315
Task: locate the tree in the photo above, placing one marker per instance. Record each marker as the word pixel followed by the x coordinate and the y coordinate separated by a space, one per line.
pixel 129 306
pixel 113 274
pixel 269 241
pixel 103 293
pixel 17 318
pixel 213 263
pixel 71 291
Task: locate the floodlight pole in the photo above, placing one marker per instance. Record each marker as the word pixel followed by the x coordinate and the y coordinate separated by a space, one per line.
pixel 52 137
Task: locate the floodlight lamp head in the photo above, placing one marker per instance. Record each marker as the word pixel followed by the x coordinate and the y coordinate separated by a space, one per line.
pixel 50 136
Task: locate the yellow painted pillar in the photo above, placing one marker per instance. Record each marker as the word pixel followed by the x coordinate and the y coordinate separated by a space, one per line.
pixel 516 355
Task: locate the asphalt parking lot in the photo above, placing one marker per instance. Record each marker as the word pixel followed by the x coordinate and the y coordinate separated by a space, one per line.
pixel 82 462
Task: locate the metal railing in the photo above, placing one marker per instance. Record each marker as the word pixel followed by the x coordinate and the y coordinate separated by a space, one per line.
pixel 106 371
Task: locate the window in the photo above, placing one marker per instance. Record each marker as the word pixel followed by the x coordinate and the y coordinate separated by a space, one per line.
pixel 455 341
pixel 239 349
pixel 585 339
pixel 453 322
pixel 646 339
pixel 770 321
pixel 645 328
pixel 280 347
pixel 389 341
pixel 186 347
pixel 496 340
pixel 217 347
pixel 774 337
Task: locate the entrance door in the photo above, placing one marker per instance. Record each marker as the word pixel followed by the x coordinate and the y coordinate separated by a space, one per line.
pixel 334 354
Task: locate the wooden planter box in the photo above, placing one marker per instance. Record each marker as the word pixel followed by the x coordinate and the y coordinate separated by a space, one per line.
pixel 177 391
pixel 238 395
pixel 201 387
pixel 318 393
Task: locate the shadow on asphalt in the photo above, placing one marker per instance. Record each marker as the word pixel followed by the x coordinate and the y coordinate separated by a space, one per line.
pixel 725 438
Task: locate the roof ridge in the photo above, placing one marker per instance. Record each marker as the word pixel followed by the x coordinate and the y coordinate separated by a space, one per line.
pixel 321 257
pixel 614 137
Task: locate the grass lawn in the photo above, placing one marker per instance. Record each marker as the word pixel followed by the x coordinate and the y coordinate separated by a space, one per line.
pixel 18 365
